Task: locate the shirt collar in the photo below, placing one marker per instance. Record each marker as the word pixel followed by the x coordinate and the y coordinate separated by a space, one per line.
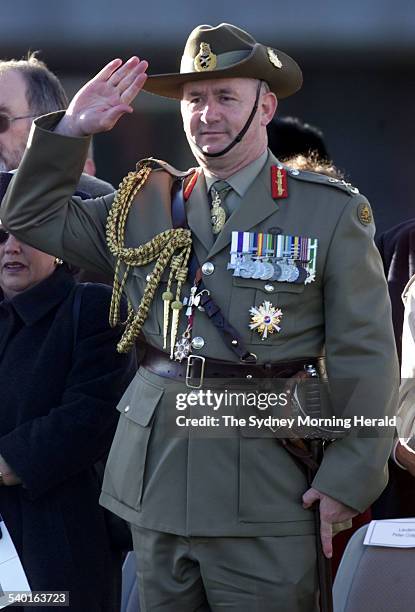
pixel 33 304
pixel 243 178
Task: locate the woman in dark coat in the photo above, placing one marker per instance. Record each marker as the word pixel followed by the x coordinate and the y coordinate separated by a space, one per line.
pixel 60 381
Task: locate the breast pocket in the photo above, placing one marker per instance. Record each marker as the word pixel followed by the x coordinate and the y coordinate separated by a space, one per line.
pixel 125 471
pixel 275 300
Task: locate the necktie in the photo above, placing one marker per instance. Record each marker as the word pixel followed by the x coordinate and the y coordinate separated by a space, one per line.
pixel 219 190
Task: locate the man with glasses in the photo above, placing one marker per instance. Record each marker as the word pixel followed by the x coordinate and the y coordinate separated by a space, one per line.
pixel 27 89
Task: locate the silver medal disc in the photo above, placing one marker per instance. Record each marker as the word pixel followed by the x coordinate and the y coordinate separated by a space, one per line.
pixel 285 272
pixel 247 269
pixel 277 272
pixel 294 274
pixel 268 271
pixel 259 268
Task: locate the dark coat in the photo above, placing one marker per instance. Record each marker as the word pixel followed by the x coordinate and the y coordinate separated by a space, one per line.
pixel 57 418
pixel 397 248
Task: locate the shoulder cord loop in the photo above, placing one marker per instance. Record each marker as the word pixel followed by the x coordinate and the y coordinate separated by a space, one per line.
pixel 172 245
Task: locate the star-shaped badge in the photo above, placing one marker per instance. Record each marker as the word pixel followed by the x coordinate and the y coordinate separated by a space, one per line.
pixel 265 319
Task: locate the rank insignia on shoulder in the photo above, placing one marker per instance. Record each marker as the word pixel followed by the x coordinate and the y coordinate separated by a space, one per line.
pixel 276 257
pixel 265 319
pixel 279 187
pixel 364 213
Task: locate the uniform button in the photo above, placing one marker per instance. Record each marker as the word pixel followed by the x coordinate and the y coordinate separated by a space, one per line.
pixel 208 268
pixel 269 288
pixel 148 277
pixel 127 408
pixel 294 172
pixel 198 342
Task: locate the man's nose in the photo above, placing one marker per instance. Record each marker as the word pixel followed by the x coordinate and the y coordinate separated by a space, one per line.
pixel 210 112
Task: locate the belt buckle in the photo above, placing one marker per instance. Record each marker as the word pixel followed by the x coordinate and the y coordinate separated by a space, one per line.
pixel 190 361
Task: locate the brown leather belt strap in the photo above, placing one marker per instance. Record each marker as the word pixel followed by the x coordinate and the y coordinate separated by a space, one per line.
pixel 159 363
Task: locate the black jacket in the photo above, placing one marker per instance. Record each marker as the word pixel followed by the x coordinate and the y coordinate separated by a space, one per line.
pixel 57 418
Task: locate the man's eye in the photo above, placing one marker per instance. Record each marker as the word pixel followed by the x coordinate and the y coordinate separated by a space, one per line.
pixel 195 101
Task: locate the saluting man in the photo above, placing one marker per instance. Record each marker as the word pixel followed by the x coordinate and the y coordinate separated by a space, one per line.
pixel 284 267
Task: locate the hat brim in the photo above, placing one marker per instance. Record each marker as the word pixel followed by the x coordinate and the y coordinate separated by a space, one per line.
pixel 283 81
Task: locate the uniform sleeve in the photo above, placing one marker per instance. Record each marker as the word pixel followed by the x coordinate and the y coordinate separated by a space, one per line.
pixel 361 357
pixel 47 450
pixel 406 412
pixel 39 209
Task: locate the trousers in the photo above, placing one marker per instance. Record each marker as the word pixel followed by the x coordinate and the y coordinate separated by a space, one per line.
pixel 212 574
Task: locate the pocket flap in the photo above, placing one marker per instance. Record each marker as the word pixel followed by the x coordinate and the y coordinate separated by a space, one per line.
pixel 140 401
pixel 272 286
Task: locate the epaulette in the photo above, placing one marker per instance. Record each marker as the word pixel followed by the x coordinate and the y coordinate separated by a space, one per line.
pixel 159 164
pixel 321 179
pixel 408 288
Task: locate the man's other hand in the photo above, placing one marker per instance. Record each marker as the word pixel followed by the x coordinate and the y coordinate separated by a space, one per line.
pixel 331 511
pixel 406 457
pixel 104 99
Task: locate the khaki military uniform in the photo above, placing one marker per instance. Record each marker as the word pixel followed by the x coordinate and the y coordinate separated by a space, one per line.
pixel 242 486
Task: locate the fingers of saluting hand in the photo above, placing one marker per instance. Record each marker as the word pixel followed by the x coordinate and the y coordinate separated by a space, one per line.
pixel 121 73
pixel 126 79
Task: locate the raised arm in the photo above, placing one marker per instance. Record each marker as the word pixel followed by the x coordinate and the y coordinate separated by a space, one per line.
pixel 101 102
pixel 39 207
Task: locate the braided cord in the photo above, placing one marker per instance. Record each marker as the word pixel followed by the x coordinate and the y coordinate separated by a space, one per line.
pixel 172 245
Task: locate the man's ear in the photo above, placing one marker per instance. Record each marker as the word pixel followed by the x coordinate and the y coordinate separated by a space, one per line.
pixel 268 107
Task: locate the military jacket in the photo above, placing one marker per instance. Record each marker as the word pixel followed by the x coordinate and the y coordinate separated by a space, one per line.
pixel 242 485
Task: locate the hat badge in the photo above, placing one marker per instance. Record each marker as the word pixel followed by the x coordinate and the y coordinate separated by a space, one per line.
pixel 273 58
pixel 205 60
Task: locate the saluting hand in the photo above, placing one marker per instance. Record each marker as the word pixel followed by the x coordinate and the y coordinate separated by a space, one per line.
pixel 104 99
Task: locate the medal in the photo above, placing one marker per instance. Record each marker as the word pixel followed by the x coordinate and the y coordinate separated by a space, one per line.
pixel 265 319
pixel 279 257
pixel 285 271
pixel 259 269
pixel 183 346
pixel 277 271
pixel 268 271
pixel 302 275
pixel 294 274
pixel 247 269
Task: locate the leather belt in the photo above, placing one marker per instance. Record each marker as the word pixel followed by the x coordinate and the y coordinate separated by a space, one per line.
pixel 196 368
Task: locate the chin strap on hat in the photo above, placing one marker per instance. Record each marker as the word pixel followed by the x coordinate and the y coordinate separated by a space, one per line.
pixel 242 133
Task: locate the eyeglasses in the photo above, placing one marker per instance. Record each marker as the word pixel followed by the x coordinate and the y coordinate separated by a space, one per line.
pixel 6 121
pixel 4 235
